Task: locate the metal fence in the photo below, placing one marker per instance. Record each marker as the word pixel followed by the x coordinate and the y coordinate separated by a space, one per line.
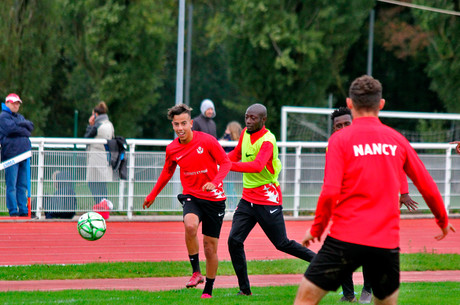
pixel 301 177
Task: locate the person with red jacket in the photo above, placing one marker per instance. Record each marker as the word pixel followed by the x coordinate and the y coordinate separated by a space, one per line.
pixel 362 180
pixel 203 200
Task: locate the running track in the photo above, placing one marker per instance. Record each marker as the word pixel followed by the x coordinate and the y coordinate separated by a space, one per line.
pixel 44 242
pixel 37 242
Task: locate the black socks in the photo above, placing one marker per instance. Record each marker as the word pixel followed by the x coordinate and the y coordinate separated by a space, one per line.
pixel 194 260
pixel 208 286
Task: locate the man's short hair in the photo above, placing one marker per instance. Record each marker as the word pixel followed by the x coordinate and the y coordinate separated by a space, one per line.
pixel 179 109
pixel 365 92
pixel 339 112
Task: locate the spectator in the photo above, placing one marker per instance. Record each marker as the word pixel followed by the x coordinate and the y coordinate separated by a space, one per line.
pixel 63 203
pixel 99 170
pixel 232 133
pixel 15 131
pixel 204 121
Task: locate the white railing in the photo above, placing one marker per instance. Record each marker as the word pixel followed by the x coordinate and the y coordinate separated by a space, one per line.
pixel 301 179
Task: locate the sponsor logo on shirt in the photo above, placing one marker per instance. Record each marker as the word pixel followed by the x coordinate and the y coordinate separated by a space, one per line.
pixel 204 171
pixel 199 150
pixel 374 149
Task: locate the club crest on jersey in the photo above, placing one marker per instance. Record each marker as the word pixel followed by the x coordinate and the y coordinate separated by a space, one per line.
pixel 199 150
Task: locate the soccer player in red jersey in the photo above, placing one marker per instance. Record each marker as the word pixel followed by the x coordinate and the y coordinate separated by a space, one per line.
pixel 341 118
pixel 261 201
pixel 203 200
pixel 360 195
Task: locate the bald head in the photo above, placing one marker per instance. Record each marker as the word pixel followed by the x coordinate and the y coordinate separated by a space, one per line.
pixel 255 118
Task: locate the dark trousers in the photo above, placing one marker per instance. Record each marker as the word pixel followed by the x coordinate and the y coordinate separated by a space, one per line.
pixel 271 220
pixel 347 284
pixel 99 190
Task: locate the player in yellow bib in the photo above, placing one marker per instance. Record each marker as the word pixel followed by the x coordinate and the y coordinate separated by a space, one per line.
pixel 261 201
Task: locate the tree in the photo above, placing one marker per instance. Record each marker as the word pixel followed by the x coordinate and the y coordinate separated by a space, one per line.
pixel 443 66
pixel 286 52
pixel 119 54
pixel 30 31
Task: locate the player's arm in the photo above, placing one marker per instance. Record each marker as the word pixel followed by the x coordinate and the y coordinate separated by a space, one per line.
pixel 405 199
pixel 330 193
pixel 221 158
pixel 235 154
pixel 416 170
pixel 166 175
pixel 259 163
pixel 457 149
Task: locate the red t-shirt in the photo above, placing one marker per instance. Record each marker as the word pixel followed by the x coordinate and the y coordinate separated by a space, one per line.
pixel 362 180
pixel 267 194
pixel 198 162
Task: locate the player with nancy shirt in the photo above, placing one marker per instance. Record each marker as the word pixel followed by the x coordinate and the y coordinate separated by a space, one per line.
pixel 261 201
pixel 360 196
pixel 203 199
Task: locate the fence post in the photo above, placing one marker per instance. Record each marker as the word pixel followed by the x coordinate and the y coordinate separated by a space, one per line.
pixel 40 177
pixel 131 165
pixel 298 152
pixel 447 178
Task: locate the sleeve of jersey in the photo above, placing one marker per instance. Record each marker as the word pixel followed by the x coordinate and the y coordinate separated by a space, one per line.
pixel 256 166
pixel 333 174
pixel 166 174
pixel 235 154
pixel 426 186
pixel 222 159
pixel 404 189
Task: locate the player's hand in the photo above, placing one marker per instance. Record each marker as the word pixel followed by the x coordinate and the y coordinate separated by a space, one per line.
pixel 307 238
pixel 445 231
pixel 147 203
pixel 458 146
pixel 208 187
pixel 410 204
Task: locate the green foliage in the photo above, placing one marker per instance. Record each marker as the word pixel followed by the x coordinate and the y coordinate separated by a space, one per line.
pixel 444 50
pixel 288 52
pixel 119 51
pixel 30 31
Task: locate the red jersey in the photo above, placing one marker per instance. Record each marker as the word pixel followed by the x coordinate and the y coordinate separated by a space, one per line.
pixel 362 180
pixel 267 194
pixel 198 162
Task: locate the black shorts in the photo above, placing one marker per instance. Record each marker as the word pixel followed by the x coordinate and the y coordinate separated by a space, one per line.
pixel 336 259
pixel 210 213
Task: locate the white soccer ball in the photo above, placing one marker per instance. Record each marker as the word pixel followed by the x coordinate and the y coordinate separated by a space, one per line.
pixel 91 226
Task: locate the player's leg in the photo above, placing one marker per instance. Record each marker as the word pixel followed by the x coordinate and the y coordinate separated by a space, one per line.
pixel 389 300
pixel 271 220
pixel 21 190
pixel 242 224
pixel 348 289
pixel 11 178
pixel 383 273
pixel 212 219
pixel 308 293
pixel 327 270
pixel 366 293
pixel 191 214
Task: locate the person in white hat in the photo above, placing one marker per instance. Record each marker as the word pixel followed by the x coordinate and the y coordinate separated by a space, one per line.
pixel 15 131
pixel 204 121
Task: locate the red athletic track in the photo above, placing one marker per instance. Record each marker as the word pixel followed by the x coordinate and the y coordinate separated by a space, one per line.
pixel 37 242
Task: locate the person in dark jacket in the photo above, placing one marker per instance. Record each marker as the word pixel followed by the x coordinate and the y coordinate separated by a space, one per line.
pixel 204 121
pixel 15 131
pixel 63 203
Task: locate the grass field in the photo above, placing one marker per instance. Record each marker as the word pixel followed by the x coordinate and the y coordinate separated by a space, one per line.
pixel 409 262
pixel 445 293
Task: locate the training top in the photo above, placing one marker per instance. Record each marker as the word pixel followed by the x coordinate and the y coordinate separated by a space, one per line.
pixel 362 180
pixel 198 162
pixel 260 167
